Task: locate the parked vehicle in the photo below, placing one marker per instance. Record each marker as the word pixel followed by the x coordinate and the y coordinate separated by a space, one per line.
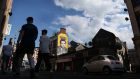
pixel 103 63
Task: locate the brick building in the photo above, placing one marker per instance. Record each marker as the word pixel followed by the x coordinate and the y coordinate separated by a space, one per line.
pixel 104 42
pixel 133 7
pixel 5 12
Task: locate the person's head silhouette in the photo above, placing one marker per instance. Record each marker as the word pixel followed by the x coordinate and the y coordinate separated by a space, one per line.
pixel 29 20
pixel 44 32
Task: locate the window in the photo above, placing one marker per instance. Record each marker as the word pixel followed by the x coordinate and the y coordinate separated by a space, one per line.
pixel 93 59
pixel 101 58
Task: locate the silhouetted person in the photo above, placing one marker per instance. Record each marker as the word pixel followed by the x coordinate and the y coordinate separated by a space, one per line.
pixel 25 45
pixel 44 52
pixel 6 55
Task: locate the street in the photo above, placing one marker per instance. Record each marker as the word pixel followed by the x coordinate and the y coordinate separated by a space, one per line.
pixel 71 75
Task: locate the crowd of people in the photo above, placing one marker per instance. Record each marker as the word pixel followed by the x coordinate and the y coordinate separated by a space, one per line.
pixel 25 45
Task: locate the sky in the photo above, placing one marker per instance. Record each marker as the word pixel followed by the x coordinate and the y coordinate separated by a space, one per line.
pixel 81 18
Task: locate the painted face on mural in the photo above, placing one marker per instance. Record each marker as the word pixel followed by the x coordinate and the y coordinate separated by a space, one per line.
pixel 63 43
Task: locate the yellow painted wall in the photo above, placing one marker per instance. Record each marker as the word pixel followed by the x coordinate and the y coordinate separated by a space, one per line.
pixel 62 36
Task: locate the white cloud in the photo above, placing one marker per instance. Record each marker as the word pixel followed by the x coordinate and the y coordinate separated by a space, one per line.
pixel 83 28
pixel 90 7
pixel 77 26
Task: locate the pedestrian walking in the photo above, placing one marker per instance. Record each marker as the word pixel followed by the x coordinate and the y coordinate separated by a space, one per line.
pixel 44 52
pixel 6 56
pixel 25 45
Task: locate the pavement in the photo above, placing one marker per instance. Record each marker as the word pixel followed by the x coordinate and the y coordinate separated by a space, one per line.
pixel 70 75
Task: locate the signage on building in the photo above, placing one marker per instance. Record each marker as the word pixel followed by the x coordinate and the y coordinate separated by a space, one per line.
pixel 8 29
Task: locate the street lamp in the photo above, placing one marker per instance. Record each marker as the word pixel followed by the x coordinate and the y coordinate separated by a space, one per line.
pixel 125 10
pixel 126 18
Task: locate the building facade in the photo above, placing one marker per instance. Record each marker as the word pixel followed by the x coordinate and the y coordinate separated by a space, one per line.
pixel 104 42
pixel 74 59
pixel 132 56
pixel 133 7
pixel 58 46
pixel 62 42
pixel 5 12
pixel 77 55
pixel 107 43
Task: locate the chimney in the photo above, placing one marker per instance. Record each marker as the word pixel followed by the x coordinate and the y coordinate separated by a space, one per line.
pixel 63 30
